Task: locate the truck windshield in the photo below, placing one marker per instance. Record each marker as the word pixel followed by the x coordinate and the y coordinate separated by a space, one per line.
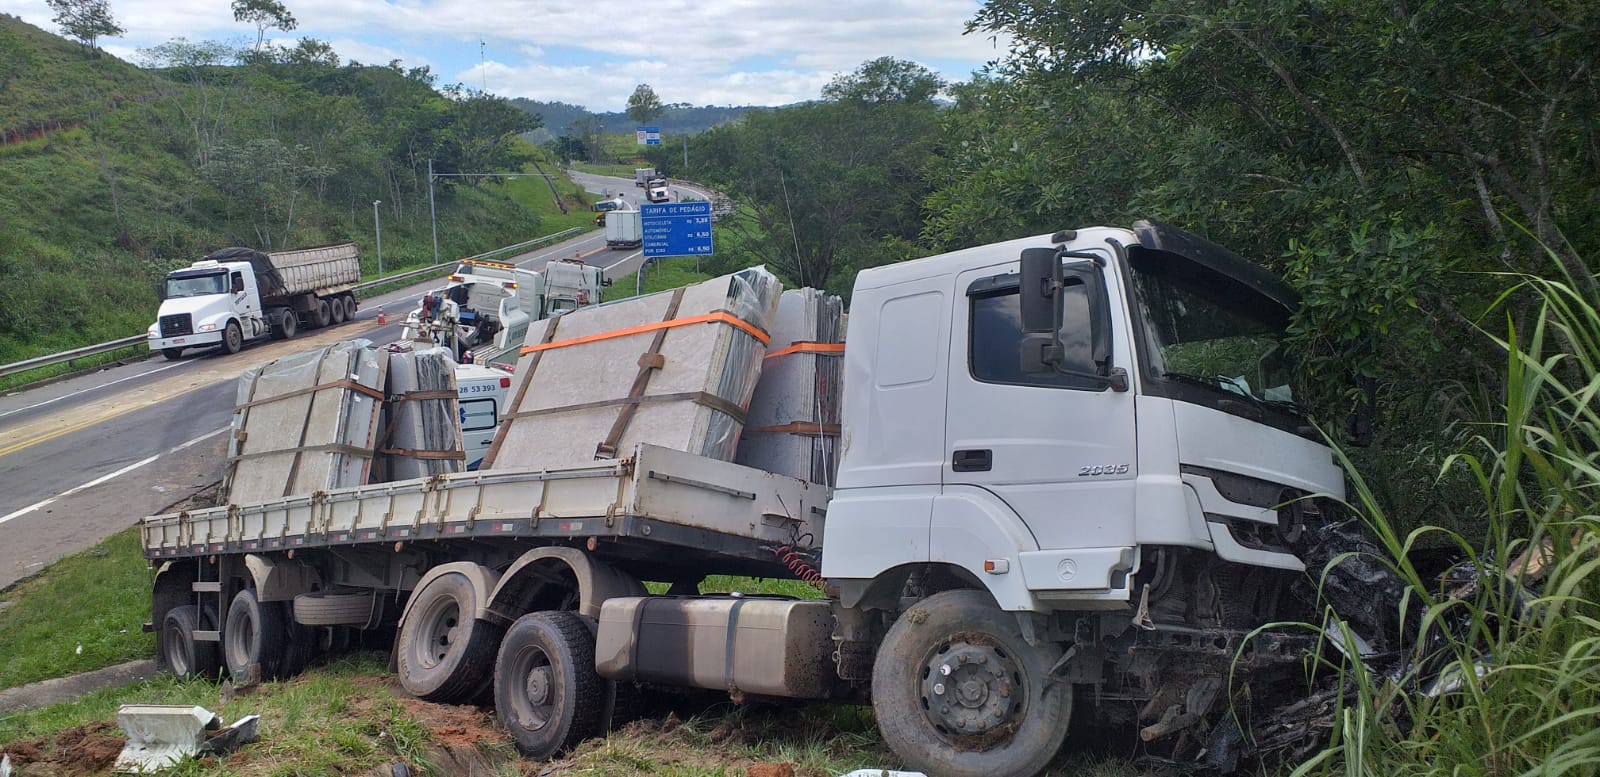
pixel 196 285
pixel 1201 330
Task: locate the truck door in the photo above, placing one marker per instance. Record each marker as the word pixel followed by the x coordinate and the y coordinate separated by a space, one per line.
pixel 247 302
pixel 1058 449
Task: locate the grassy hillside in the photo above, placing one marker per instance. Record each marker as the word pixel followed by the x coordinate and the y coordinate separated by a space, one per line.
pixel 110 175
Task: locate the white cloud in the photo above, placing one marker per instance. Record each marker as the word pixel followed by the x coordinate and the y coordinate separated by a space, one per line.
pixel 697 51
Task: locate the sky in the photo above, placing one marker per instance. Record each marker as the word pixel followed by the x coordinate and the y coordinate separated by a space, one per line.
pixel 702 52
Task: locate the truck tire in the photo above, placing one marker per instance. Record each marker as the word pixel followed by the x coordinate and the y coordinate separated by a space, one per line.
pixel 319 315
pixel 178 651
pixel 546 691
pixel 336 310
pixel 288 324
pixel 350 307
pixel 253 638
pixel 322 609
pixel 958 692
pixel 172 354
pixel 232 338
pixel 443 653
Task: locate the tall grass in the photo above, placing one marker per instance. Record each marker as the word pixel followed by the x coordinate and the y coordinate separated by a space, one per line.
pixel 1516 629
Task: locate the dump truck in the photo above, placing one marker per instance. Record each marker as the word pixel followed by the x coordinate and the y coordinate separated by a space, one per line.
pixel 643 174
pixel 1074 485
pixel 236 295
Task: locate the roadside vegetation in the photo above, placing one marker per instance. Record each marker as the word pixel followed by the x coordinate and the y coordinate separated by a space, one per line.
pixel 110 175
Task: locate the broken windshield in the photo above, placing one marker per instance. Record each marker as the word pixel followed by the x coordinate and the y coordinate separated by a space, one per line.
pixel 1205 330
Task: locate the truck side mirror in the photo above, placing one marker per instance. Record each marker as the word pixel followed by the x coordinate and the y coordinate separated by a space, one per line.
pixel 1040 282
pixel 1040 292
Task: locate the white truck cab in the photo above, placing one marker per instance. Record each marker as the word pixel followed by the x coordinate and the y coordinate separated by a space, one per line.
pixel 207 304
pixel 1156 412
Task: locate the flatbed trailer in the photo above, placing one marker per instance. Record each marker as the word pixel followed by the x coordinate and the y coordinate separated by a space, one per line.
pixel 716 517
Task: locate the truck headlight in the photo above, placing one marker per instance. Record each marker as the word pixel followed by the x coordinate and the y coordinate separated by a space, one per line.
pixel 208 327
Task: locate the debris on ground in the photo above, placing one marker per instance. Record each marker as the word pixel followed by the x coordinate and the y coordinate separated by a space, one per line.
pixel 161 735
pixel 75 752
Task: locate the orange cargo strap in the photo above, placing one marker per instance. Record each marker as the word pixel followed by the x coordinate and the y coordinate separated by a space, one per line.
pixel 826 349
pixel 709 318
pixel 803 428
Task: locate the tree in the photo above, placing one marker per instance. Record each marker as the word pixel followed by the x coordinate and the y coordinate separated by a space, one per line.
pixel 643 104
pixel 265 15
pixel 310 52
pixel 885 79
pixel 85 20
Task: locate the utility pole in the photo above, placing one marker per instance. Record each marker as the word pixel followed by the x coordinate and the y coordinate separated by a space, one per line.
pixel 686 154
pixel 377 226
pixel 433 216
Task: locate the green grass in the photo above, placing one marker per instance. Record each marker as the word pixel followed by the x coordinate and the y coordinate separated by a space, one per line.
pixel 96 600
pixel 331 720
pixel 660 276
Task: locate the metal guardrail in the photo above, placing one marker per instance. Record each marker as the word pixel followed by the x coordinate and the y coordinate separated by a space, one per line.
pixel 129 342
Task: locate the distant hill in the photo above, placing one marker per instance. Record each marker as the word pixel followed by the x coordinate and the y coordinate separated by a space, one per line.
pixel 110 175
pixel 675 119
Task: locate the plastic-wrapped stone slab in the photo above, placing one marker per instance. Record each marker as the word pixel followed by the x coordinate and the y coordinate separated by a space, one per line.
pixel 674 369
pixel 793 426
pixel 421 421
pixel 305 423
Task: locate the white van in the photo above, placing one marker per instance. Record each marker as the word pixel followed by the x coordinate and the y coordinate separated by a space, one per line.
pixel 482 393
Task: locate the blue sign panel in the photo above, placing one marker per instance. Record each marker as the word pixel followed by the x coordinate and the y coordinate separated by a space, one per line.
pixel 679 229
pixel 647 136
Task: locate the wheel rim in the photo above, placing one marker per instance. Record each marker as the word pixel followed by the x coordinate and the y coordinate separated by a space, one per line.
pixel 233 337
pixel 973 690
pixel 535 706
pixel 241 641
pixel 441 629
pixel 178 651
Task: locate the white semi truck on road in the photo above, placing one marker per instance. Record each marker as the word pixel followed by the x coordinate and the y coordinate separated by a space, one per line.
pixel 1071 477
pixel 236 295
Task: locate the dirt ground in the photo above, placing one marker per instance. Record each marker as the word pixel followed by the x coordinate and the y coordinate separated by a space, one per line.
pixel 76 752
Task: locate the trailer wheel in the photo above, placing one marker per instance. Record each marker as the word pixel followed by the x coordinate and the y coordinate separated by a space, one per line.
pixel 319 315
pixel 445 654
pixel 253 638
pixel 336 310
pixel 546 691
pixel 180 653
pixel 172 354
pixel 232 338
pixel 350 307
pixel 957 691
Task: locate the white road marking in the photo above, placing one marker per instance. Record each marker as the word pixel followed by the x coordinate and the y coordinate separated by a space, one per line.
pixel 624 259
pixel 91 388
pixel 112 476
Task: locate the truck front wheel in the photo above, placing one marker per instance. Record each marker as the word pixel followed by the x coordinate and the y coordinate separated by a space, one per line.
pixel 172 354
pixel 957 691
pixel 546 691
pixel 232 338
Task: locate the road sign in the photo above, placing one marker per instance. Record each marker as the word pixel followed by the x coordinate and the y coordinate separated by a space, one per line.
pixel 647 136
pixel 679 229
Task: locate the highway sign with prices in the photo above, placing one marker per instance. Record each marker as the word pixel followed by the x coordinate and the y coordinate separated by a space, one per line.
pixel 679 229
pixel 647 136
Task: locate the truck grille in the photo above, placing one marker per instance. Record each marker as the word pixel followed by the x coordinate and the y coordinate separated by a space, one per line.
pixel 173 326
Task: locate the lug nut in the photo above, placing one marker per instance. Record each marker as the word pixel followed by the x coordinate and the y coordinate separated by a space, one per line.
pixel 944 669
pixel 983 659
pixel 938 688
pixel 961 659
